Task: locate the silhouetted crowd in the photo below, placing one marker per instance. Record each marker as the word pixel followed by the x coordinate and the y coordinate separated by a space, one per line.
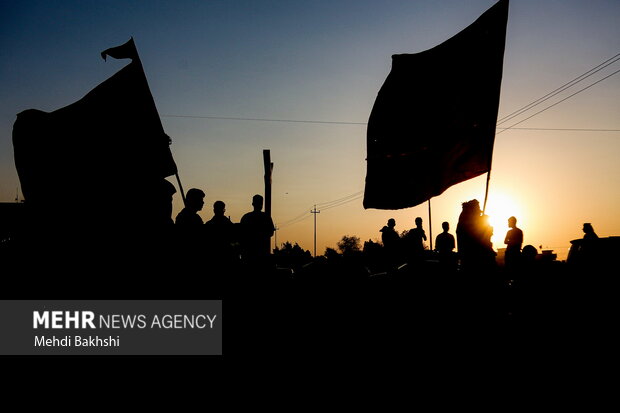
pixel 475 249
pixel 473 235
pixel 220 248
pixel 220 243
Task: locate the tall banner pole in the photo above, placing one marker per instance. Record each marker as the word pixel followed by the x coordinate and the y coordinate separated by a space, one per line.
pixel 180 188
pixel 129 51
pixel 486 192
pixel 430 224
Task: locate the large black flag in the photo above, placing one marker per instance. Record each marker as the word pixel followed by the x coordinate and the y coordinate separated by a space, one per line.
pixel 107 152
pixel 433 123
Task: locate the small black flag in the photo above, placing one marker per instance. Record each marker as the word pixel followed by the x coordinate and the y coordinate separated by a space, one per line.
pixel 124 51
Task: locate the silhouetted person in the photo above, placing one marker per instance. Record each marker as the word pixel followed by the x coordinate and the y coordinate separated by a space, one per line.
pixel 389 236
pixel 220 235
pixel 194 201
pixel 588 232
pixel 256 231
pixel 528 256
pixel 473 235
pixel 588 248
pixel 391 242
pixel 527 277
pixel 513 241
pixel 219 219
pixel 445 243
pixel 415 240
pixel 189 232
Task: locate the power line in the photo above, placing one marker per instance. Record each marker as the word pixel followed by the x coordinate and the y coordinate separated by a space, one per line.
pixel 325 206
pixel 295 220
pixel 264 119
pixel 560 101
pixel 288 224
pixel 365 123
pixel 560 89
pixel 566 129
pixel 343 203
pixel 329 203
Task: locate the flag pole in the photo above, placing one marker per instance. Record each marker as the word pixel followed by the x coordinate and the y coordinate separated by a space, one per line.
pixel 129 50
pixel 180 187
pixel 430 226
pixel 486 192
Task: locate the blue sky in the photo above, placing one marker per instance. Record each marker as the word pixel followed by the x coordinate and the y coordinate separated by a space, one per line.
pixel 326 60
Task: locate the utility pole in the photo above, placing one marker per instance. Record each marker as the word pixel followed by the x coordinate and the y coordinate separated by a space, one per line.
pixel 314 211
pixel 268 173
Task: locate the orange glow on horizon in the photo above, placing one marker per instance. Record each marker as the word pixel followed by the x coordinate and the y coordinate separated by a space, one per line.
pixel 500 207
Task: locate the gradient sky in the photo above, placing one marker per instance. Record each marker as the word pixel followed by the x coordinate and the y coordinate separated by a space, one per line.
pixel 326 60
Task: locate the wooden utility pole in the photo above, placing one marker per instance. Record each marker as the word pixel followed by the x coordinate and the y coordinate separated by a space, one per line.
pixel 314 211
pixel 268 171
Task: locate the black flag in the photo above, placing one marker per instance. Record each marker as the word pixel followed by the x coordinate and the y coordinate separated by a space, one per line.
pixel 433 123
pixel 124 51
pixel 107 152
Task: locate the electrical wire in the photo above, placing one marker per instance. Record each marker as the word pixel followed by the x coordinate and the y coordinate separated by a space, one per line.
pixel 324 206
pixel 560 89
pixel 560 101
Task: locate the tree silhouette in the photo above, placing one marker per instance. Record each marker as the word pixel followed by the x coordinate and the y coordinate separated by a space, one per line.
pixel 349 245
pixel 291 256
pixel 331 255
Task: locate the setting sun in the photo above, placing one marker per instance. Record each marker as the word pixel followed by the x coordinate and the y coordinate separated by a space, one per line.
pixel 499 208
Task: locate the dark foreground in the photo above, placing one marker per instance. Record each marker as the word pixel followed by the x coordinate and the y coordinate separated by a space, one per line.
pixel 424 312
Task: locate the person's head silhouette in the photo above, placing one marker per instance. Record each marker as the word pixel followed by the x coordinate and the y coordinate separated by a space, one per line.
pixel 445 226
pixel 471 208
pixel 529 253
pixel 219 207
pixel 194 200
pixel 418 222
pixel 589 231
pixel 391 223
pixel 257 202
pixel 512 222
